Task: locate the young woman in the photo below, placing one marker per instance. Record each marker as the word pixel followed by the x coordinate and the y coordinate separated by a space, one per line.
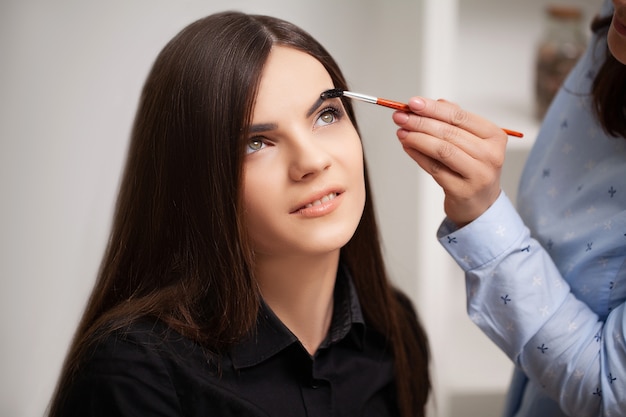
pixel 244 273
pixel 548 286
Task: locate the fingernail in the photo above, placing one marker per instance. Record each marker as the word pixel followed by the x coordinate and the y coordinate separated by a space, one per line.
pixel 401 117
pixel 417 103
pixel 402 133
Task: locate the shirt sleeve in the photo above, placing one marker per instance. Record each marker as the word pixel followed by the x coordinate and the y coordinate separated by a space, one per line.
pixel 122 379
pixel 519 299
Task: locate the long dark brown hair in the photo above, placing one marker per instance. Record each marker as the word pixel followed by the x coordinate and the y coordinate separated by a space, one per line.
pixel 609 88
pixel 178 250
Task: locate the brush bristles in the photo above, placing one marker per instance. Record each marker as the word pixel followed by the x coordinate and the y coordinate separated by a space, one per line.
pixel 334 93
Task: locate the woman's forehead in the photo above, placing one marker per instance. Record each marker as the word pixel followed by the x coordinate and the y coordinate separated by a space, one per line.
pixel 290 78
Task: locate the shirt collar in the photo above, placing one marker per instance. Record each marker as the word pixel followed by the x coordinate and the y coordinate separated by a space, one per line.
pixel 270 335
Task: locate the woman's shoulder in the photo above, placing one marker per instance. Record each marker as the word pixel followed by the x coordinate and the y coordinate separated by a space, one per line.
pixel 146 368
pixel 144 339
pixel 127 371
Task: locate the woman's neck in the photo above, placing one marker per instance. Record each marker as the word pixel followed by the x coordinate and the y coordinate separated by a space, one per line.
pixel 300 292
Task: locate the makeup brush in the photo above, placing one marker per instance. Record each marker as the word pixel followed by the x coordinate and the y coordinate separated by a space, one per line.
pixel 337 92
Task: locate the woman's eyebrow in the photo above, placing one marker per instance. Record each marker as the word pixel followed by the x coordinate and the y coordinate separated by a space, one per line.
pixel 262 127
pixel 315 106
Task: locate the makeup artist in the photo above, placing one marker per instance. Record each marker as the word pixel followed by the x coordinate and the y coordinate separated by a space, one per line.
pixel 244 273
pixel 547 285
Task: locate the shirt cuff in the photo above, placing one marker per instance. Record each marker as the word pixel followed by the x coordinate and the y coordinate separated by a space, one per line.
pixel 485 239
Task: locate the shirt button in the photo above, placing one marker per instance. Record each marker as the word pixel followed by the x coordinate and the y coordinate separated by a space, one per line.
pixel 315 383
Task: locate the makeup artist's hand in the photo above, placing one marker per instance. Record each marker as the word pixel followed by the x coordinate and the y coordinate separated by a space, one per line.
pixel 463 152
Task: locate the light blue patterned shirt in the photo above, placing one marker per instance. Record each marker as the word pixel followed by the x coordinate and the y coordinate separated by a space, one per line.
pixel 548 286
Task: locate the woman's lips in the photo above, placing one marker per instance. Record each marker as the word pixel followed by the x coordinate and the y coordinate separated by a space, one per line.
pixel 324 199
pixel 317 201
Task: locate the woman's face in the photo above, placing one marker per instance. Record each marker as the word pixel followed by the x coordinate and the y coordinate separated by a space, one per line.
pixel 617 32
pixel 304 188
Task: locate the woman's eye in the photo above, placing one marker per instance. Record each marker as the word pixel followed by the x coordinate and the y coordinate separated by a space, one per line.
pixel 327 117
pixel 254 145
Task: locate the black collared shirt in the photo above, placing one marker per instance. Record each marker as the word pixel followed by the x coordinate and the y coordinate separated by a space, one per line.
pixel 149 370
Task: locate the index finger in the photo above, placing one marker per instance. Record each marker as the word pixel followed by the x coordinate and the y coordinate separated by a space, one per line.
pixel 454 115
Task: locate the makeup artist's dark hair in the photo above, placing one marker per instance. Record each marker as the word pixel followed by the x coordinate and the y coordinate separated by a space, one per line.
pixel 609 88
pixel 178 249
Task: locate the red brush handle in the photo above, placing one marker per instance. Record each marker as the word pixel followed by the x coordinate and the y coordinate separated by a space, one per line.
pixel 405 107
pixel 392 104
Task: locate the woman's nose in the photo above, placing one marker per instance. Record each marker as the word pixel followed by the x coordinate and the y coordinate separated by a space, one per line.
pixel 307 158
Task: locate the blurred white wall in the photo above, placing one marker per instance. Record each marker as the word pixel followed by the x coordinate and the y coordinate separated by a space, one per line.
pixel 70 75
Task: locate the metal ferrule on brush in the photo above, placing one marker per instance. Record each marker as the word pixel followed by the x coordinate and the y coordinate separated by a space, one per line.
pixel 363 97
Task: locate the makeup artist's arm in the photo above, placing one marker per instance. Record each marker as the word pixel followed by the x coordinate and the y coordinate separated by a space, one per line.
pixel 463 152
pixel 515 293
